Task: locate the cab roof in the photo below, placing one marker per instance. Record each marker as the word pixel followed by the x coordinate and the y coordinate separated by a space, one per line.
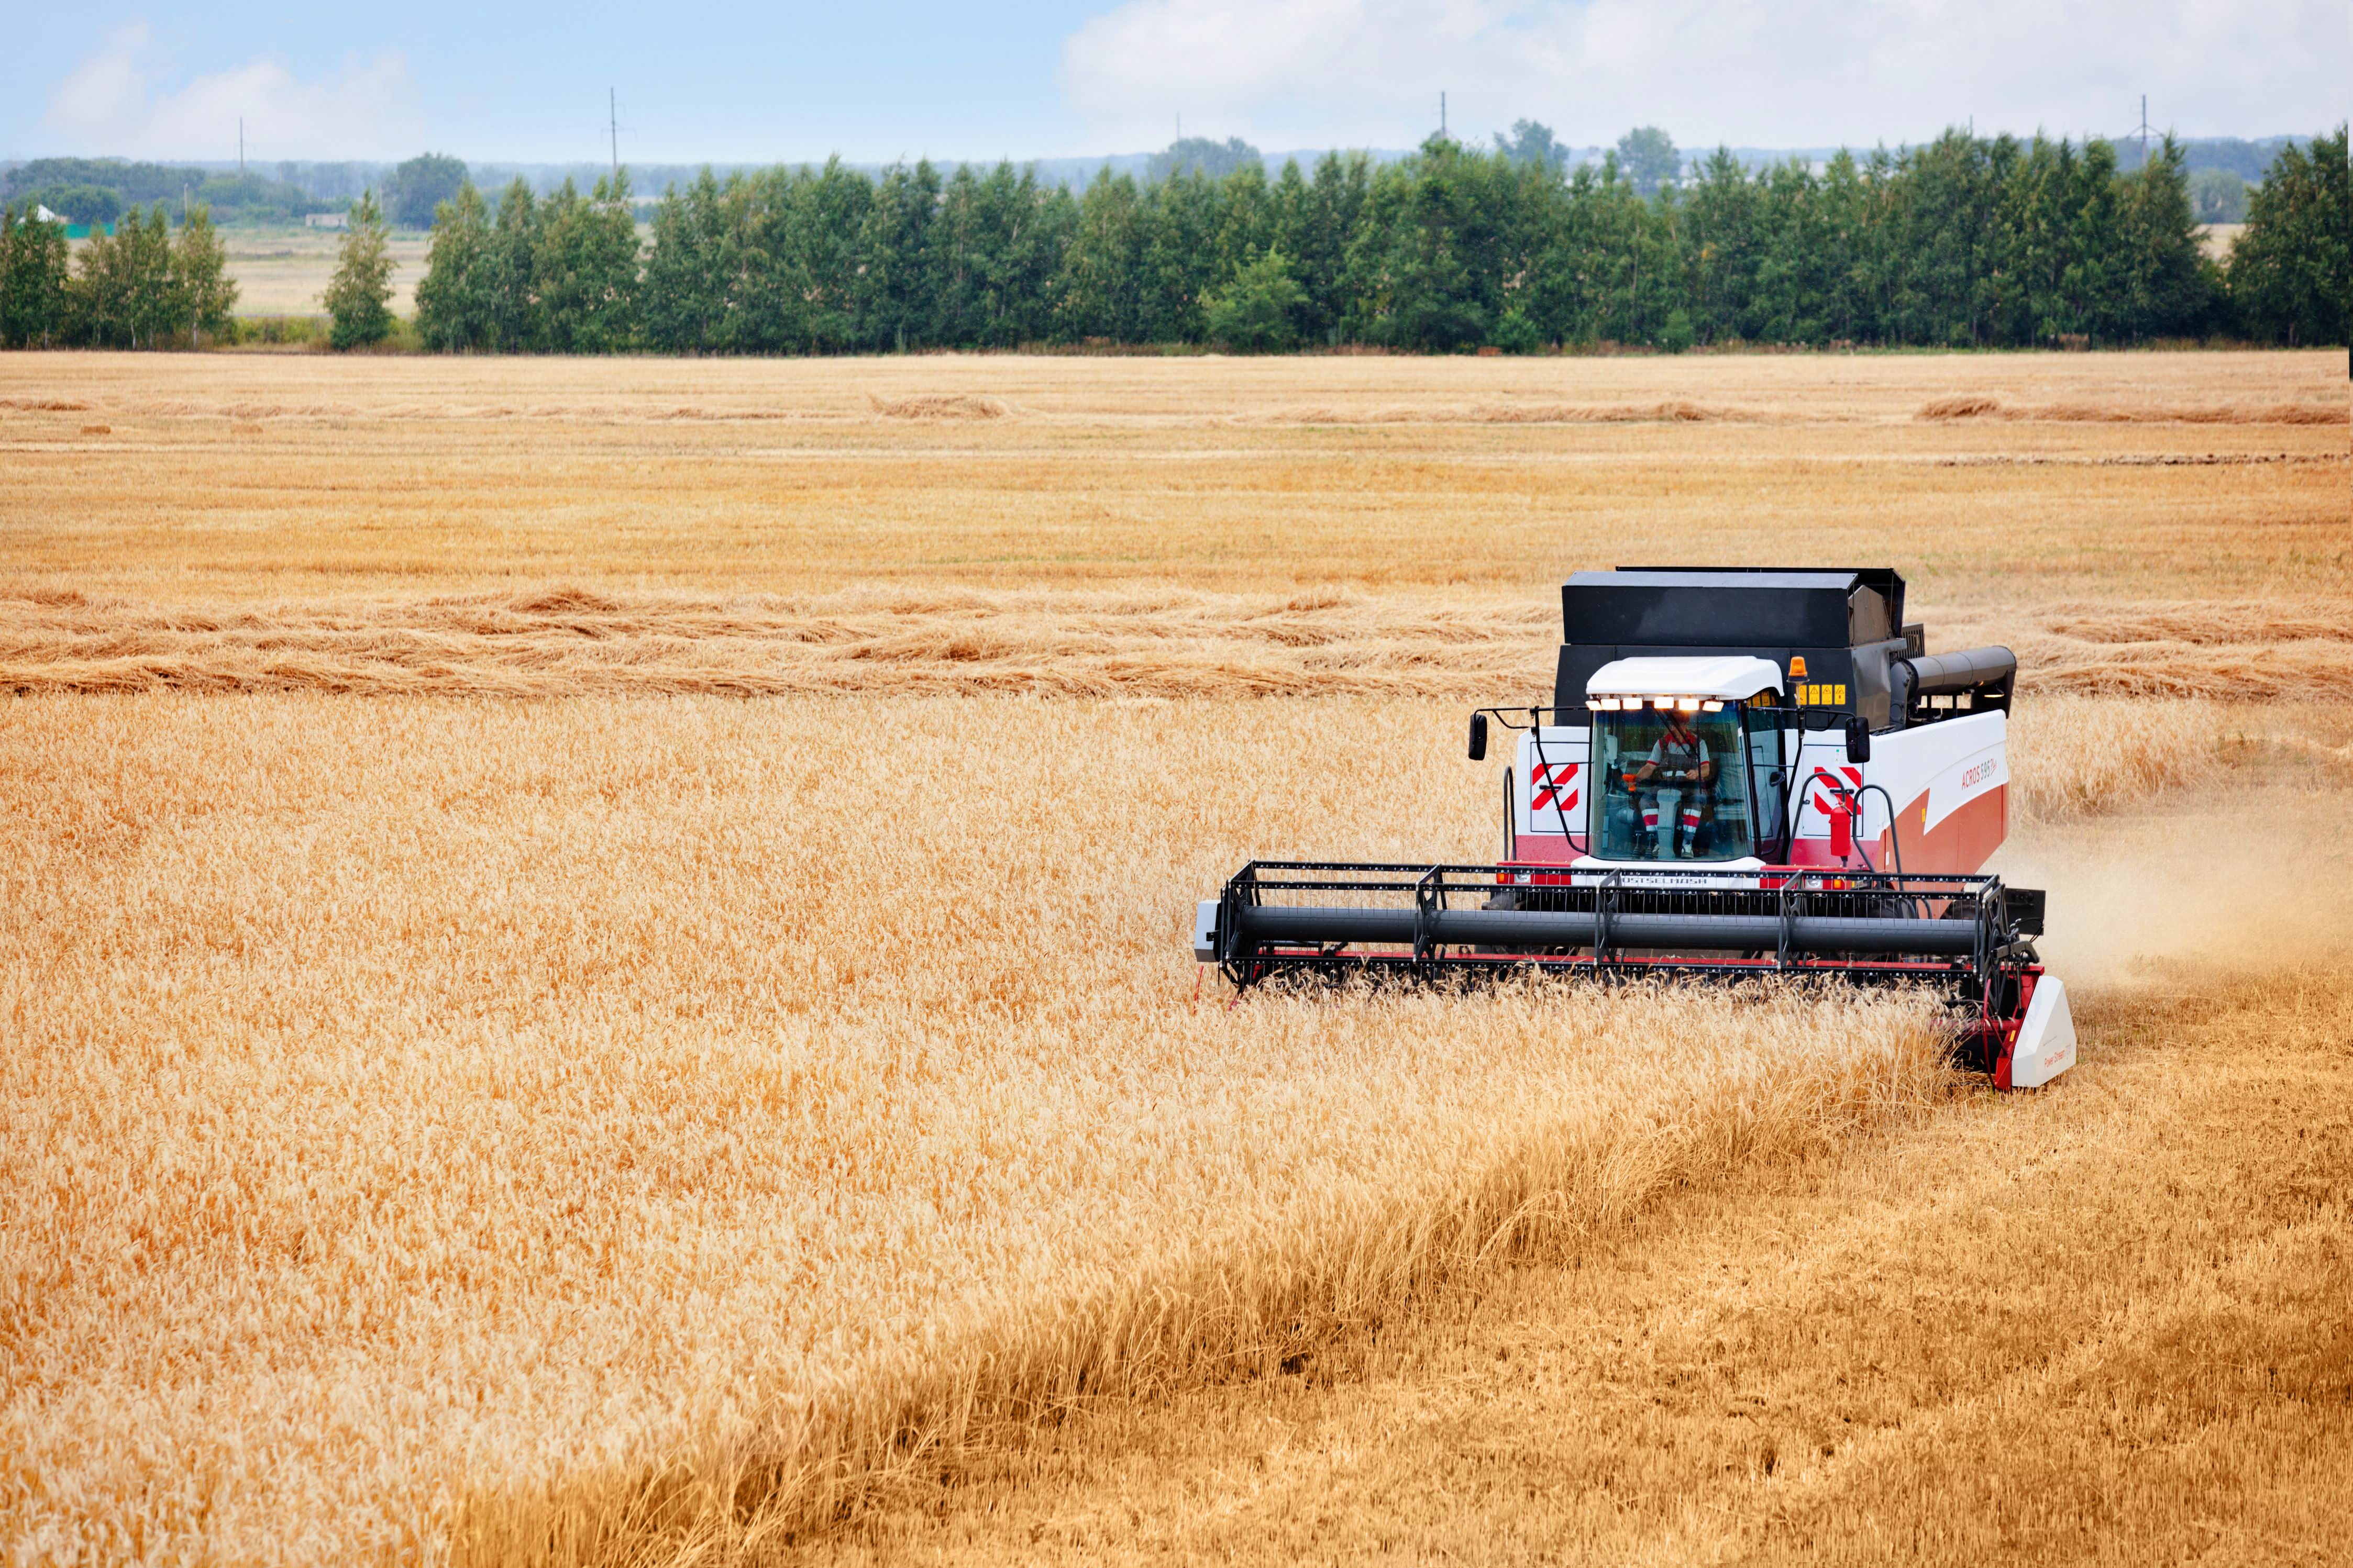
pixel 1723 677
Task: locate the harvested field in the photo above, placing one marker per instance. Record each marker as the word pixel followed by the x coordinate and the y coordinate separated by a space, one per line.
pixel 594 968
pixel 402 479
pixel 2136 413
pixel 1172 642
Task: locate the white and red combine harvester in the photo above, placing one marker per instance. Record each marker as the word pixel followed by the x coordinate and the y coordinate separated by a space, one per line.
pixel 1744 773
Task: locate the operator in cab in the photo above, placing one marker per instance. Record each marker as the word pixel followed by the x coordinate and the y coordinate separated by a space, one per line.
pixel 1679 760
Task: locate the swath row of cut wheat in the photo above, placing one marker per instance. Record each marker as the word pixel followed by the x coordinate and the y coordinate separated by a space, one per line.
pixel 1320 642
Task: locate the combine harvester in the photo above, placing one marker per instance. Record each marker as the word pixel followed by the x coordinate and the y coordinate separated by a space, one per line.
pixel 1744 773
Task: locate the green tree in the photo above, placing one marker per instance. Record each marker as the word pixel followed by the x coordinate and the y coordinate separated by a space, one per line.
pixel 33 276
pixel 1245 219
pixel 2218 195
pixel 1531 145
pixel 203 294
pixel 825 223
pixel 1000 237
pixel 683 299
pixel 757 260
pixel 1800 256
pixel 586 275
pixel 1956 247
pixel 1258 311
pixel 1178 224
pixel 78 203
pixel 2164 285
pixel 1724 227
pixel 1437 246
pixel 359 295
pixel 1095 286
pixel 517 325
pixel 123 295
pixel 1201 156
pixel 2291 271
pixel 1607 268
pixel 2058 223
pixel 899 286
pixel 1647 157
pixel 1317 223
pixel 1516 332
pixel 456 298
pixel 419 186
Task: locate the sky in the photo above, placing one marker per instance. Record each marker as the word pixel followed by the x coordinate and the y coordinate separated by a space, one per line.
pixel 951 79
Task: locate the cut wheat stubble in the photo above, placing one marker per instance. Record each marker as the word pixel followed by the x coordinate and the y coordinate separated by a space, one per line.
pixel 1328 642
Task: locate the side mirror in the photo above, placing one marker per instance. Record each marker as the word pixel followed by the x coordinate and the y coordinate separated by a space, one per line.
pixel 1858 739
pixel 1478 737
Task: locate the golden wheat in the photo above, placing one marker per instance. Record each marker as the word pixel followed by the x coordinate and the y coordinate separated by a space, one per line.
pixel 2100 1325
pixel 446 1121
pixel 646 1127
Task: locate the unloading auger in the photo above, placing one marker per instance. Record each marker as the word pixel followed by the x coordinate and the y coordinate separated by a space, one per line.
pixel 1743 773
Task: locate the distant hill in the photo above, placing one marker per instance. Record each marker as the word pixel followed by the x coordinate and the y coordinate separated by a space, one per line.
pixel 99 189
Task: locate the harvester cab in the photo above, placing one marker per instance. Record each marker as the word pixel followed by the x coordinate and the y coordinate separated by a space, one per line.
pixel 1741 772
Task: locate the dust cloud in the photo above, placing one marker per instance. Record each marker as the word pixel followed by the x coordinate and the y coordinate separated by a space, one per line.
pixel 2248 878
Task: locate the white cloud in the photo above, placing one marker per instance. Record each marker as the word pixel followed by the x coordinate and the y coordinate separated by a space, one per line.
pixel 118 101
pixel 1753 73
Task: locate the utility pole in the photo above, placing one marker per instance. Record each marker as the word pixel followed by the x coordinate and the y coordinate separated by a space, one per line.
pixel 2144 131
pixel 613 122
pixel 1441 114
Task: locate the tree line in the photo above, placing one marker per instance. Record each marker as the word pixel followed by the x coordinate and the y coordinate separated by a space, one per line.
pixel 101 189
pixel 142 287
pixel 1965 242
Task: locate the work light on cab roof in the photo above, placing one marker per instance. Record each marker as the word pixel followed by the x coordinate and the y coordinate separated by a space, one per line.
pixel 1742 773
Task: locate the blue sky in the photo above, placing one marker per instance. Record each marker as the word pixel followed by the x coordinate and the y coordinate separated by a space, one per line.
pixel 1068 78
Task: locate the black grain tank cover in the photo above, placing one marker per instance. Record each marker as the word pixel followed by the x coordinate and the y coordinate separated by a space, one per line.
pixel 1846 621
pixel 1732 607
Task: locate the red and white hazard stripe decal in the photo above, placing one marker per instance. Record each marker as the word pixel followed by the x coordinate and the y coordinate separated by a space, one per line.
pixel 1553 786
pixel 1826 803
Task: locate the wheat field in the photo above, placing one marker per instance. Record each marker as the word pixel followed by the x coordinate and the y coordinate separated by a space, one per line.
pixel 594 962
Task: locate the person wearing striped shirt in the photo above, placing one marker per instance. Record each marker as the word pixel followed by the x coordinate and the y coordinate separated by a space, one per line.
pixel 1679 759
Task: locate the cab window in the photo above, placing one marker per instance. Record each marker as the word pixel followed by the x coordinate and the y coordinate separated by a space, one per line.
pixel 1673 786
